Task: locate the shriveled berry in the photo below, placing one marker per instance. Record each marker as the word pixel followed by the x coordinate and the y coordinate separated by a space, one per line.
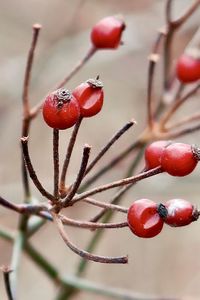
pixel 106 34
pixel 90 97
pixel 180 213
pixel 178 159
pixel 143 218
pixel 153 153
pixel 188 66
pixel 61 109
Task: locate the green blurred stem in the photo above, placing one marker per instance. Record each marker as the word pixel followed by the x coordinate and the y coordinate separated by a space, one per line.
pixel 19 242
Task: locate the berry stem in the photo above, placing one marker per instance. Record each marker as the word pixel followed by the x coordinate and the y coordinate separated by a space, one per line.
pixel 175 106
pixel 77 67
pixel 68 156
pixel 26 108
pixel 56 162
pixel 26 105
pixel 115 137
pixel 117 183
pixel 75 186
pixel 112 163
pixel 179 22
pixel 102 204
pixel 91 225
pixel 32 174
pixel 184 121
pixel 85 254
pixel 153 59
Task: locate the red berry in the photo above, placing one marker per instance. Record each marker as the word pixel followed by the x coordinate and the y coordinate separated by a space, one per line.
pixel 90 97
pixel 180 213
pixel 61 109
pixel 106 34
pixel 143 218
pixel 178 159
pixel 153 153
pixel 188 67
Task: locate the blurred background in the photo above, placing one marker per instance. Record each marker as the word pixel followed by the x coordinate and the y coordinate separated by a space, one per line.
pixel 164 266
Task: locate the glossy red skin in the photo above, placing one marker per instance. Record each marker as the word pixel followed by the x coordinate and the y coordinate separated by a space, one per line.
pixel 90 99
pixel 143 219
pixel 180 212
pixel 188 68
pixel 60 117
pixel 106 34
pixel 153 154
pixel 178 159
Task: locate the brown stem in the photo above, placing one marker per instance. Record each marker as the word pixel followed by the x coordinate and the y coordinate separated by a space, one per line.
pixel 116 136
pixel 117 183
pixel 77 67
pixel 153 59
pixel 184 121
pixel 36 30
pixel 103 205
pixel 75 186
pixel 6 274
pixel 175 105
pixel 90 225
pixel 9 205
pixel 113 200
pixel 178 133
pixel 113 162
pixel 56 162
pixel 177 23
pixel 32 174
pixel 68 156
pixel 26 104
pixel 85 254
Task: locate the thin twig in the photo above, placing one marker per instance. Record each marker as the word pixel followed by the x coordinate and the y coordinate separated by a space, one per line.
pixel 26 104
pixel 68 156
pixel 115 137
pixel 35 110
pixel 117 183
pixel 103 204
pixel 80 175
pixel 85 254
pixel 6 274
pixel 153 59
pixel 179 22
pixel 56 162
pixel 117 197
pixel 9 205
pixel 24 142
pixel 175 105
pixel 112 163
pixel 189 129
pixel 90 225
pixel 26 107
pixel 78 66
pixel 184 121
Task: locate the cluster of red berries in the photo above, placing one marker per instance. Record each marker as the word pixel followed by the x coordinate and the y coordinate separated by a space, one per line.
pixel 188 66
pixel 177 159
pixel 146 218
pixel 62 109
